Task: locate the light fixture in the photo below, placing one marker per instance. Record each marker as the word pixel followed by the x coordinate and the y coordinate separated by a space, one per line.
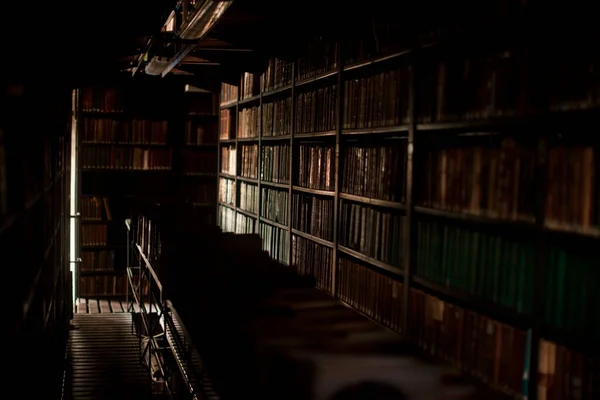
pixel 205 17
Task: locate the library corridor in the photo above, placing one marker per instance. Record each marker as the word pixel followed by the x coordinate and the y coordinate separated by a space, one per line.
pixel 233 199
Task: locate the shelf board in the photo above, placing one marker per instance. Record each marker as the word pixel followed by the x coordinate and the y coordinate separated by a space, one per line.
pixel 474 303
pixel 228 104
pixel 376 130
pixel 478 219
pixel 226 141
pixel 275 138
pixel 227 205
pixel 274 91
pixel 273 223
pixel 377 60
pixel 246 213
pixel 248 140
pixel 229 176
pixel 372 261
pixel 373 202
pixel 314 191
pixel 314 134
pixel 316 78
pixel 315 239
pixel 275 185
pixel 575 231
pixel 249 100
pixel 247 180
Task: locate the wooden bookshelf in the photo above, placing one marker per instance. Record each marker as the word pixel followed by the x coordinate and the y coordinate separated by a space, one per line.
pixel 34 228
pixel 514 301
pixel 140 146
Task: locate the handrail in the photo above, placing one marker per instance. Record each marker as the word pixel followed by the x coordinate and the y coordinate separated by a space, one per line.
pixel 148 280
pixel 149 266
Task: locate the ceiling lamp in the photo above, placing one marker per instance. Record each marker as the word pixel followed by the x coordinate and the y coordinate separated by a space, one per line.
pixel 204 18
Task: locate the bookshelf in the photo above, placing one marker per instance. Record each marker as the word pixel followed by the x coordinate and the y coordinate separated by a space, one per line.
pixel 34 229
pixel 140 145
pixel 435 191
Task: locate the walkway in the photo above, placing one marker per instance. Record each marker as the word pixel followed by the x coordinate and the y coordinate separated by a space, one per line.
pixel 103 359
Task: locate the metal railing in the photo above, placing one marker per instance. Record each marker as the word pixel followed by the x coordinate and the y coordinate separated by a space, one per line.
pixel 156 321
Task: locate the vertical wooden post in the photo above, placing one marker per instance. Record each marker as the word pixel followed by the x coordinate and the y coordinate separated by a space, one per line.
pixel 538 306
pixel 338 166
pixel 291 165
pixel 409 225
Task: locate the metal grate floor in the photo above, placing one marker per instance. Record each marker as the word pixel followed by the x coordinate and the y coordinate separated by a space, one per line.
pixel 103 360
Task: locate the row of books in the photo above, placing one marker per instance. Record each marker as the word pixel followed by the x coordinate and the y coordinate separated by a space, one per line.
pixel 227 191
pixel 275 241
pixel 94 235
pixel 249 197
pixel 379 296
pixel 489 266
pixel 376 172
pixel 248 122
pixel 316 167
pixel 118 157
pixel 312 259
pixel 275 166
pixel 497 181
pixel 94 208
pixel 320 57
pixel 313 215
pixel 102 285
pixel 277 118
pixel 228 160
pixel 202 104
pixel 200 133
pixel 250 85
pixel 101 99
pixel 249 161
pixel 135 131
pixel 244 224
pixel 229 93
pixel 316 110
pixel 225 125
pixel 227 219
pixel 380 99
pixel 484 348
pixel 374 232
pixel 102 260
pixel 278 74
pixel 274 205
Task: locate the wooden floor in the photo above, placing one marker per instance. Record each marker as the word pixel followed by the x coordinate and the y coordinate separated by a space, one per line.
pixel 103 359
pixel 102 306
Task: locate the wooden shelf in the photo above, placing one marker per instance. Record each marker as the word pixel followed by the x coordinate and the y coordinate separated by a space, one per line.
pixel 314 191
pixel 315 239
pixel 372 261
pixel 372 202
pixel 275 185
pixel 273 223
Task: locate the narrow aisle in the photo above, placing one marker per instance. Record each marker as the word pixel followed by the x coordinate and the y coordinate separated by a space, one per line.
pixel 103 360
